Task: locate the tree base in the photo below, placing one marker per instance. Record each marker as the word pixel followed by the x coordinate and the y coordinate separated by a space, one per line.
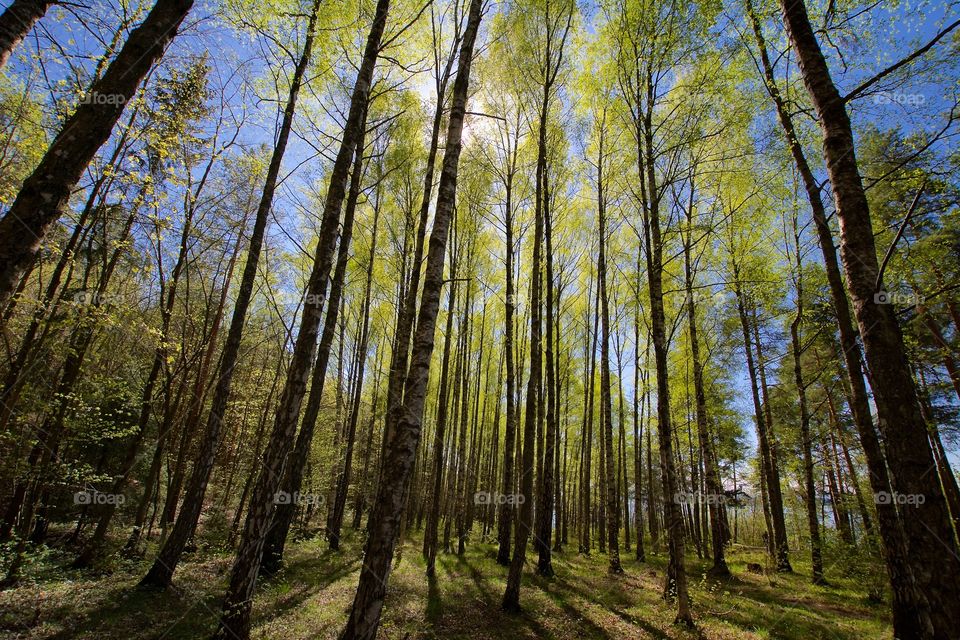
pixel 153 582
pixel 685 620
pixel 512 608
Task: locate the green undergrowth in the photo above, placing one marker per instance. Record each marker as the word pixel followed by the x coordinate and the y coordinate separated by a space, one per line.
pixel 310 598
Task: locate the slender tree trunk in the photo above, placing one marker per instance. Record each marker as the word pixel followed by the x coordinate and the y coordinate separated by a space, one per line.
pixel 235 617
pixel 511 596
pixel 341 497
pixel 813 524
pixel 774 491
pixel 606 409
pixel 763 441
pixel 587 476
pixel 676 581
pixel 505 515
pixel 545 500
pixel 401 442
pixel 458 507
pixel 399 358
pixel 715 495
pixel 361 502
pixel 439 434
pixel 638 406
pixel 292 483
pixel 161 572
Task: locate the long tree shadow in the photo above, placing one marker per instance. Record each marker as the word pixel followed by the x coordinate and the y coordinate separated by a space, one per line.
pixel 488 616
pixel 312 576
pixel 145 609
pixel 434 602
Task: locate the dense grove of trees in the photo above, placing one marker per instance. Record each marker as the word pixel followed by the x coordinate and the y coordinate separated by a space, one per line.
pixel 628 277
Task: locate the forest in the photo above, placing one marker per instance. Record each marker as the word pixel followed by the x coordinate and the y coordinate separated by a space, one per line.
pixel 412 319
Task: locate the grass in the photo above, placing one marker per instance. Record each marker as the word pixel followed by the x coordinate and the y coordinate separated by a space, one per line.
pixel 310 599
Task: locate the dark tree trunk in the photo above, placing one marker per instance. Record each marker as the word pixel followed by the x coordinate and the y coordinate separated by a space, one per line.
pixel 548 480
pixel 511 596
pixel 235 616
pixel 505 515
pixel 440 428
pixel 340 502
pixel 606 409
pixel 774 491
pixel 676 580
pixel 638 416
pixel 810 489
pixel 589 391
pixel 292 483
pixel 927 525
pixel 44 194
pixel 16 22
pixel 895 544
pixel 770 486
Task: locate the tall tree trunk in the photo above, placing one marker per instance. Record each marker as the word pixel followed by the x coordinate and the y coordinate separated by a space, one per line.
pixel 511 596
pixel 810 489
pixel 905 603
pixel 439 434
pixel 675 585
pixel 457 506
pixel 774 491
pixel 639 398
pixel 505 510
pixel 407 303
pixel 927 525
pixel 587 476
pixel 770 488
pixel 715 493
pixel 547 495
pixel 401 442
pixel 361 501
pixel 293 481
pixel 341 496
pixel 606 409
pixel 235 617
pixel 161 572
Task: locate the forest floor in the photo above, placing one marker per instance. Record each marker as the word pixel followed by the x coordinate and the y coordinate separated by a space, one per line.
pixel 310 597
